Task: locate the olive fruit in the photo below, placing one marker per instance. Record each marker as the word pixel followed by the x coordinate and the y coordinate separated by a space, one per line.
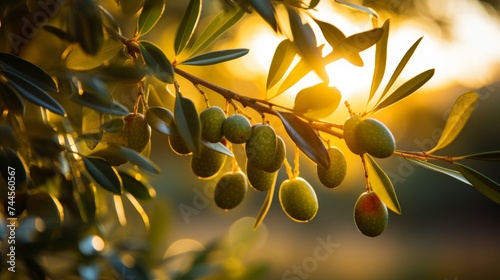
pixel 350 127
pixel 375 138
pixel 298 199
pixel 212 119
pixel 230 190
pixel 207 163
pixel 137 132
pixel 237 129
pixel 259 179
pixel 333 176
pixel 261 147
pixel 279 156
pixel 370 214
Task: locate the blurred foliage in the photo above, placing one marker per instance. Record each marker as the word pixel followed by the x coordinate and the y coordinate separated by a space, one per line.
pixel 75 133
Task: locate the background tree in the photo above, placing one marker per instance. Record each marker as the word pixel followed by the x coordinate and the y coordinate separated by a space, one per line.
pixel 77 129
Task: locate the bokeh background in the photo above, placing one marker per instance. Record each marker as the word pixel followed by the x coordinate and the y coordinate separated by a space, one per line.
pixel 447 229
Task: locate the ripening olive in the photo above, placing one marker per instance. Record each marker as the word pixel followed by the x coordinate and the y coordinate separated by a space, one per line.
pixel 370 214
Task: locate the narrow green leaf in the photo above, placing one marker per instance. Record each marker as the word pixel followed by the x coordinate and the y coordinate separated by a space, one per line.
pixel 450 172
pixel 218 147
pixel 27 71
pixel 382 185
pixel 160 119
pixel 334 36
pixel 483 184
pixel 79 60
pixel 135 184
pixel 488 156
pixel 188 25
pixel 380 60
pixel 359 8
pixel 85 24
pixel 305 41
pixel 219 24
pixel 306 138
pixel 124 154
pixel 114 125
pixel 406 89
pixel 157 62
pixel 399 68
pixel 12 99
pixel 458 117
pixel 318 101
pixel 108 19
pixel 187 122
pixel 313 4
pixel 215 57
pixel 100 103
pixel 298 72
pixel 265 206
pixel 282 59
pixel 150 15
pixel 33 93
pixel 265 9
pixel 130 7
pixel 103 173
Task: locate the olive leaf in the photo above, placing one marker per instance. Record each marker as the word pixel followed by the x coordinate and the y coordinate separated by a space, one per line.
pixel 11 98
pixel 188 25
pixel 313 4
pixel 318 101
pixel 187 122
pixel 108 19
pixel 483 184
pixel 265 9
pixel 150 15
pixel 59 33
pixel 33 93
pixel 124 154
pixel 140 210
pixel 103 173
pixel 219 24
pixel 135 184
pixel 218 147
pixel 399 68
pixel 215 57
pixel 10 162
pixel 380 60
pixel 157 62
pixel 282 59
pixel 458 117
pixel 85 24
pixel 305 41
pixel 347 48
pixel 28 71
pixel 450 172
pixel 265 206
pixel 406 89
pixel 79 60
pixel 130 7
pixel 359 8
pixel 382 185
pixel 334 36
pixel 305 137
pixel 488 156
pixel 100 103
pixel 160 119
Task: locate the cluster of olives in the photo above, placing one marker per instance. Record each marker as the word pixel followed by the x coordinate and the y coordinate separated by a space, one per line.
pixel 372 137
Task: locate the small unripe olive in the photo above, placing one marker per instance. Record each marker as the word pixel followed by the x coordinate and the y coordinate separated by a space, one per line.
pixel 370 214
pixel 333 176
pixel 261 147
pixel 375 138
pixel 350 127
pixel 230 190
pixel 212 119
pixel 259 179
pixel 207 163
pixel 237 129
pixel 298 199
pixel 279 156
pixel 137 132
